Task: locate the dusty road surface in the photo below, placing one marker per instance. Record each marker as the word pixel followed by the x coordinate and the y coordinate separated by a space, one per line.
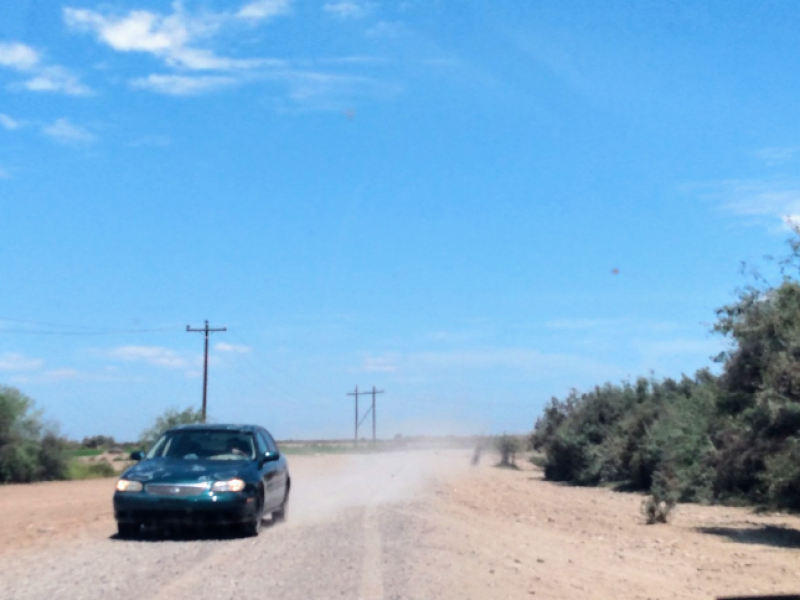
pixel 417 525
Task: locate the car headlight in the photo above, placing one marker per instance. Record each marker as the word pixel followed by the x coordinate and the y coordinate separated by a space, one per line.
pixel 126 485
pixel 232 485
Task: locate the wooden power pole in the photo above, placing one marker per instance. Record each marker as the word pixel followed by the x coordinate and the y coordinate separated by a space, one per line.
pixel 205 330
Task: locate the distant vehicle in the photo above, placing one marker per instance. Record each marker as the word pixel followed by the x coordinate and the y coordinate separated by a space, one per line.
pixel 203 475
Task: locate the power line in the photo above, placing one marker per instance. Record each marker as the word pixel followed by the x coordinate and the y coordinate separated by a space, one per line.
pixel 84 329
pixel 78 333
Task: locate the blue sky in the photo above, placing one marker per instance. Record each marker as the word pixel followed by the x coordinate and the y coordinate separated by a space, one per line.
pixel 472 205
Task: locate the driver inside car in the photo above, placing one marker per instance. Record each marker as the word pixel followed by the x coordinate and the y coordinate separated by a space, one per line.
pixel 238 447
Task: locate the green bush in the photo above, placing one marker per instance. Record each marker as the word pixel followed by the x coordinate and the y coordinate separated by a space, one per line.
pixel 172 417
pixel 508 446
pixel 731 438
pixel 95 470
pixel 29 450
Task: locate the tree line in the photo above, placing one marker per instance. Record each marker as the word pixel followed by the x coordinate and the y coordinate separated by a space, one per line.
pixel 32 449
pixel 729 438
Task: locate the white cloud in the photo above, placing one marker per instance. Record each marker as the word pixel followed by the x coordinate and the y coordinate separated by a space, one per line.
pixel 387 29
pixel 65 132
pixel 529 361
pixel 63 373
pixel 9 123
pixel 264 9
pixel 43 77
pixel 376 364
pixel 56 79
pixel 348 9
pixel 14 361
pixel 776 155
pixel 768 203
pixel 232 348
pixel 792 221
pixel 18 56
pixel 138 31
pixel 153 355
pixel 314 90
pixel 181 85
pixel 171 37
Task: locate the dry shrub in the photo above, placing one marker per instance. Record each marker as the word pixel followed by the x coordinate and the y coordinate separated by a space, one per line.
pixel 655 510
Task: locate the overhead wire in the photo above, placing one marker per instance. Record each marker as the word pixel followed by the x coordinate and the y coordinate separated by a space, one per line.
pixel 81 329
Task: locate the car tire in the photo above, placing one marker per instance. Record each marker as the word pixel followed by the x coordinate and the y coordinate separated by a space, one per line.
pixel 128 531
pixel 253 528
pixel 280 515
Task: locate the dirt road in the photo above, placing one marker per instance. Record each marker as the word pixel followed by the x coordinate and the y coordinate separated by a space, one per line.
pixel 412 526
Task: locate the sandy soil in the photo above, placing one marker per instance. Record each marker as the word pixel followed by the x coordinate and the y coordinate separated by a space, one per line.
pixel 418 525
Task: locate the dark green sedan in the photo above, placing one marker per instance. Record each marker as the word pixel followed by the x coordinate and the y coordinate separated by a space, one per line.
pixel 202 475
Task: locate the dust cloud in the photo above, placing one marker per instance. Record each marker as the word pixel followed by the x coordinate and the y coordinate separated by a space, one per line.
pixel 369 480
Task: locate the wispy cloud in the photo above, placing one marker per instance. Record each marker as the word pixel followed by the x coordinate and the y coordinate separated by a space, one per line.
pixel 182 85
pixel 172 37
pixel 528 361
pixel 768 203
pixel 378 364
pixel 776 155
pixel 65 132
pixel 14 361
pixel 7 122
pixel 232 348
pixel 316 90
pixel 348 9
pixel 55 79
pixel 18 56
pixel 387 29
pixel 63 373
pixel 264 9
pixel 42 77
pixel 153 355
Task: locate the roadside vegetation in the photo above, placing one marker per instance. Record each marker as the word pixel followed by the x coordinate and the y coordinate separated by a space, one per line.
pixel 30 449
pixel 172 417
pixel 729 438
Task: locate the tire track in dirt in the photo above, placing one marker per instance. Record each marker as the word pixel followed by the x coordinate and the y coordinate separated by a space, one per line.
pixel 371 565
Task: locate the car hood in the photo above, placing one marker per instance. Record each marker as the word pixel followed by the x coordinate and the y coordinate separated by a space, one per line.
pixel 171 470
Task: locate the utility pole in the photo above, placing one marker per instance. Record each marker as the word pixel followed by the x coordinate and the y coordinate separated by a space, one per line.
pixel 371 409
pixel 355 435
pixel 374 391
pixel 205 330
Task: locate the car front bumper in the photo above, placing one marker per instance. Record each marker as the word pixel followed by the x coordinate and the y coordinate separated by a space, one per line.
pixel 207 509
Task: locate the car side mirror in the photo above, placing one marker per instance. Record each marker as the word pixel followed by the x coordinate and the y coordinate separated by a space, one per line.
pixel 270 456
pixel 137 456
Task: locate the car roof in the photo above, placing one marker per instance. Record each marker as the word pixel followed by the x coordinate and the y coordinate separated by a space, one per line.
pixel 216 427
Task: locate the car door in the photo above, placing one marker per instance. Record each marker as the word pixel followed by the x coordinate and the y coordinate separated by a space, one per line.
pixel 269 473
pixel 278 474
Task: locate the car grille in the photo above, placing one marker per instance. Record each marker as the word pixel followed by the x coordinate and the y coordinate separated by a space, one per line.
pixel 176 490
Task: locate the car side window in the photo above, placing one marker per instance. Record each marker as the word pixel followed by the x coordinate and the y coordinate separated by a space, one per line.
pixel 263 447
pixel 273 447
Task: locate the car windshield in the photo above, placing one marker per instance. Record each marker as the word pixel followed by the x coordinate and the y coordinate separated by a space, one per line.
pixel 208 445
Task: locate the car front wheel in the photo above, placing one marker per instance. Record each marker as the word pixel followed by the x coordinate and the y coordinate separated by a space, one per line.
pixel 253 528
pixel 282 513
pixel 128 530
